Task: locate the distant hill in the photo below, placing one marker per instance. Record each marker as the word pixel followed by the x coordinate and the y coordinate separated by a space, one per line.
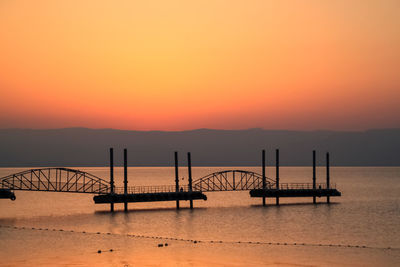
pixel 89 147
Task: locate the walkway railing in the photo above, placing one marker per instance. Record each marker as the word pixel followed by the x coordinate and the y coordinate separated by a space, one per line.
pixel 150 189
pixel 185 188
pixel 289 186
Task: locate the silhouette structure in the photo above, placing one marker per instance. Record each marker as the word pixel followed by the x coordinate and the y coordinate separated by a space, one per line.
pixel 76 181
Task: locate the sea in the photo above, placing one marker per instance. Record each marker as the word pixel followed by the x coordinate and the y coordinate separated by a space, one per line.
pixel 360 228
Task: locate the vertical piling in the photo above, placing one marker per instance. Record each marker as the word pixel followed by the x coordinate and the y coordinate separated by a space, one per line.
pixel 327 175
pixel 190 178
pixel 263 174
pixel 314 176
pixel 176 178
pixel 277 174
pixel 111 177
pixel 125 178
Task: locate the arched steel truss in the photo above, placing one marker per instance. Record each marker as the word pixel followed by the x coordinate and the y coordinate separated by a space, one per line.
pixel 55 180
pixel 231 180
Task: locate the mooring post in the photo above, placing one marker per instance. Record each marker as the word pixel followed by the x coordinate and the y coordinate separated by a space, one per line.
pixel 176 178
pixel 277 174
pixel 263 174
pixel 327 175
pixel 314 176
pixel 125 178
pixel 190 178
pixel 111 177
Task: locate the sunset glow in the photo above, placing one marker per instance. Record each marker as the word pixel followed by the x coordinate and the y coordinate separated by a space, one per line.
pixel 178 65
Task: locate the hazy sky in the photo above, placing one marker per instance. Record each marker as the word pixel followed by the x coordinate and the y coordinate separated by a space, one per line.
pixel 176 65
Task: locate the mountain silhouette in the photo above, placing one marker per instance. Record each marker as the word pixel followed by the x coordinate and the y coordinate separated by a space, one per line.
pixel 89 147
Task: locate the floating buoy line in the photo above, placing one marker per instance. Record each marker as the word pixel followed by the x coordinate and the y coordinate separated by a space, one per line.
pixel 201 241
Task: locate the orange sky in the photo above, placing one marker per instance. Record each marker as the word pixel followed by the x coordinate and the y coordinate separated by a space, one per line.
pixel 177 65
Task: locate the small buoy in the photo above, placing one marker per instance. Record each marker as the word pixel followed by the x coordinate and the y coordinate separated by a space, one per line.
pixel 111 250
pixel 98 233
pixel 99 251
pixel 195 241
pixel 166 244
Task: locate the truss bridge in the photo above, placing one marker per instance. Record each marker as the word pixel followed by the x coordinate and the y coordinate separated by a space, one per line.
pixel 55 180
pixel 231 180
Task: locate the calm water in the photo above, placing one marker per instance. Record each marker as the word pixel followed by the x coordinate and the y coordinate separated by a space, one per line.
pixel 367 214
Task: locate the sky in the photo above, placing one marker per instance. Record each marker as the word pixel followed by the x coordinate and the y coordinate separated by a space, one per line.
pixel 180 65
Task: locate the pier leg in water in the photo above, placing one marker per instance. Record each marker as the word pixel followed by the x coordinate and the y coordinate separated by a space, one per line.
pixel 176 178
pixel 111 177
pixel 277 174
pixel 314 177
pixel 190 177
pixel 327 176
pixel 263 173
pixel 125 178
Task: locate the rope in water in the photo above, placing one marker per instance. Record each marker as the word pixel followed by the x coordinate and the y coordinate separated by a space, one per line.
pixel 207 241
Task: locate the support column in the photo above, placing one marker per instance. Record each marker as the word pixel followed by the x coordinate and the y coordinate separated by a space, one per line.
pixel 176 178
pixel 111 177
pixel 125 178
pixel 190 178
pixel 327 176
pixel 277 174
pixel 263 174
pixel 314 177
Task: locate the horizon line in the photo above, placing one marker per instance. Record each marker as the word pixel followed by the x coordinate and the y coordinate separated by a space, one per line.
pixel 201 129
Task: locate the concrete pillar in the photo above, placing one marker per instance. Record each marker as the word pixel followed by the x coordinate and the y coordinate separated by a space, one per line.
pixel 190 177
pixel 176 178
pixel 263 174
pixel 327 175
pixel 314 177
pixel 277 174
pixel 125 178
pixel 111 177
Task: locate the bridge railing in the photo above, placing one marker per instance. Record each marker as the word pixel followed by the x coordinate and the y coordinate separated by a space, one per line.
pixel 150 189
pixel 288 186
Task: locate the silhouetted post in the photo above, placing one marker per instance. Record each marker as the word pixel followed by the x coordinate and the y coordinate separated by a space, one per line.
pixel 263 174
pixel 125 178
pixel 314 176
pixel 190 178
pixel 327 175
pixel 277 174
pixel 111 177
pixel 176 178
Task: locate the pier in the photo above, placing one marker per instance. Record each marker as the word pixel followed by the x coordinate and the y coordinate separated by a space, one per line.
pixel 258 185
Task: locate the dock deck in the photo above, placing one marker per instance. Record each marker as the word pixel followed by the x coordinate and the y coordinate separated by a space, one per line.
pixel 148 197
pixel 297 190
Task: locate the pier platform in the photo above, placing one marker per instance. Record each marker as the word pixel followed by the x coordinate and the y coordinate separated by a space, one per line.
pixel 6 193
pixel 297 190
pixel 148 197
